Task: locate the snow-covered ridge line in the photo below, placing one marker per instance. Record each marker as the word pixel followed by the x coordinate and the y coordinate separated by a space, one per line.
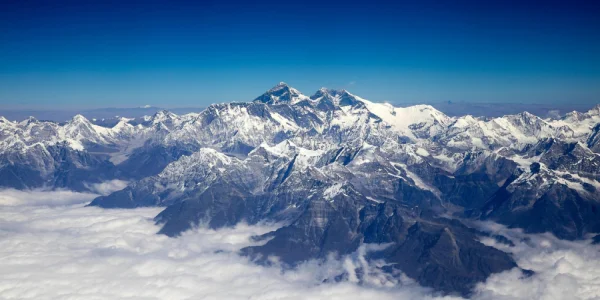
pixel 330 108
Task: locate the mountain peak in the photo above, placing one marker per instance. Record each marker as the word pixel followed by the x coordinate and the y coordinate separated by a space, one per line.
pixel 527 116
pixel 162 112
pixel 79 118
pixel 324 92
pixel 330 92
pixel 29 120
pixel 281 93
pixel 336 97
pixel 163 116
pixel 281 85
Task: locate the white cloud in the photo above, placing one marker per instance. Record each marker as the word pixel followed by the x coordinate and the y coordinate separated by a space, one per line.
pixel 12 197
pixel 76 252
pixel 554 114
pixel 563 269
pixel 40 197
pixel 107 187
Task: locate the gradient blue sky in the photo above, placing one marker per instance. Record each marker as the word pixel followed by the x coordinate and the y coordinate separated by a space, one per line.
pixel 172 53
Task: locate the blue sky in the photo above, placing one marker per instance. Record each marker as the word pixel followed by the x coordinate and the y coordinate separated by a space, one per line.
pixel 175 53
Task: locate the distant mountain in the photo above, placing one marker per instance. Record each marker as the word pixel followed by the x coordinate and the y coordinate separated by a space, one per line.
pixel 499 109
pixel 98 115
pixel 107 116
pixel 338 171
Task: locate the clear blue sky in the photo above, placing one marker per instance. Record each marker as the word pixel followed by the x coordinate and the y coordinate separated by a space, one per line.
pixel 172 53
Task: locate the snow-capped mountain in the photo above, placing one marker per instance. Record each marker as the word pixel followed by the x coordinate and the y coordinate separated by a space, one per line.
pixel 338 171
pixel 281 93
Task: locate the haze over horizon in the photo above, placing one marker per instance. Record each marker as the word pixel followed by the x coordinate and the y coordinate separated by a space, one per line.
pixel 178 54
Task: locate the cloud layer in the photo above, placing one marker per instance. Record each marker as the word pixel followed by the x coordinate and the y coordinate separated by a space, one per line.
pixel 107 187
pixel 563 269
pixel 80 252
pixel 12 197
pixel 76 252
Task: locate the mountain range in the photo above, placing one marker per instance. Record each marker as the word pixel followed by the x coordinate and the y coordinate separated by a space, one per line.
pixel 337 171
